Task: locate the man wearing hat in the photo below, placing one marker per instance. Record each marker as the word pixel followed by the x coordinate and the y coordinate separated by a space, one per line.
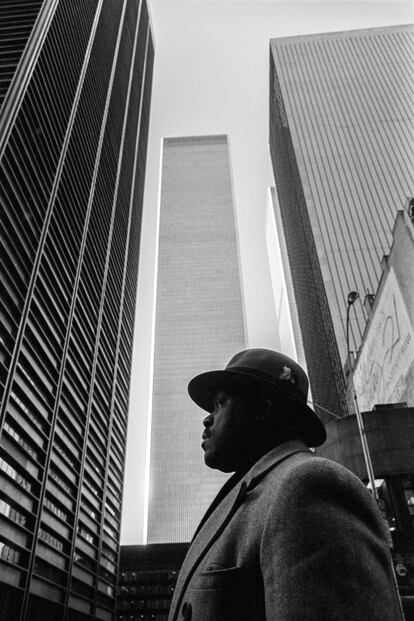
pixel 290 536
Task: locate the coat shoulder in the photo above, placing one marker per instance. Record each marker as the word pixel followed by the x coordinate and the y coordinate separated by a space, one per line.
pixel 323 532
pixel 322 486
pixel 305 467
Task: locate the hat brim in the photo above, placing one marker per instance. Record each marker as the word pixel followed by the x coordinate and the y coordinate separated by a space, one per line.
pixel 204 387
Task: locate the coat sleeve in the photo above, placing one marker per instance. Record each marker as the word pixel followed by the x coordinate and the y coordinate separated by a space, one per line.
pixel 323 551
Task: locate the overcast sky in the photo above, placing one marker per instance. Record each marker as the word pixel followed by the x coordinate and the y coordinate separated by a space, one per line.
pixel 211 77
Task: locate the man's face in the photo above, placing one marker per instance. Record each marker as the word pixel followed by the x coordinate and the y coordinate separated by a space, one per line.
pixel 226 435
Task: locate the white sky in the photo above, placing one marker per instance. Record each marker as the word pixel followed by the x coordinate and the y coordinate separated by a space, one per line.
pixel 211 73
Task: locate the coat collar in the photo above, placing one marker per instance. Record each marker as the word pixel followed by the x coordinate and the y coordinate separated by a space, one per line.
pixel 271 459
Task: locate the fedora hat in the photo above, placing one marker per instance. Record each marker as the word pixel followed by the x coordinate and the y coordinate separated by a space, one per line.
pixel 259 369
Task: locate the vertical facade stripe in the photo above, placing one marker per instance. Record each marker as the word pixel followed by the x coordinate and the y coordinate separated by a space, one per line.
pixel 24 71
pixel 49 211
pixel 24 607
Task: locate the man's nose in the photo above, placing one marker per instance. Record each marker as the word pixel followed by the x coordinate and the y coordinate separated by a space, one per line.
pixel 208 421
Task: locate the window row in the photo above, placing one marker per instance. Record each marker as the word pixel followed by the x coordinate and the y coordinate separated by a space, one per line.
pixel 13 474
pixel 50 539
pixel 145 604
pixel 9 553
pixel 160 616
pixel 21 441
pixel 146 589
pixel 12 513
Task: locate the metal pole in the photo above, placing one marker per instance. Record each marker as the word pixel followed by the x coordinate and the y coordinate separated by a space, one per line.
pixel 361 428
pixel 364 442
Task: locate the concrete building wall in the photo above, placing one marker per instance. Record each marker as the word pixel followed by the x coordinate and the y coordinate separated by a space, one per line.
pixel 390 434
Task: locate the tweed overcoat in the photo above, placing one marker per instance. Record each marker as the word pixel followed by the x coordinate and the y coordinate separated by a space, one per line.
pixel 298 538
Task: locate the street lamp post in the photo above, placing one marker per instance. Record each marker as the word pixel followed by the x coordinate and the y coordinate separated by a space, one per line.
pixel 352 298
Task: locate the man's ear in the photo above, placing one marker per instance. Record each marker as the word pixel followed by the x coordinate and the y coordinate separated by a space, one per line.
pixel 265 412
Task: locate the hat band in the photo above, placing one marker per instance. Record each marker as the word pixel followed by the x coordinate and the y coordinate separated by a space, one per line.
pixel 285 385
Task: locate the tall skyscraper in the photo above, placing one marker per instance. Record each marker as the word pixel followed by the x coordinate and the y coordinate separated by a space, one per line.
pixel 342 146
pixel 75 97
pixel 199 325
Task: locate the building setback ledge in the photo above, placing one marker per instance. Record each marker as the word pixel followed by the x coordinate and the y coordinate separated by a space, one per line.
pixel 390 436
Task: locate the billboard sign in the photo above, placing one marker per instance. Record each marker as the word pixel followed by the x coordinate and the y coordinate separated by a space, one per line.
pixel 387 352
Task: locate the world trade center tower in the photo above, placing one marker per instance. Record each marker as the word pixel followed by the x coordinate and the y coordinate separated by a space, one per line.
pixel 75 90
pixel 199 325
pixel 342 147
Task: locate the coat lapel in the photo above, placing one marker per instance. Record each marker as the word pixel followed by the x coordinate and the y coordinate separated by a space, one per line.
pixel 227 487
pixel 224 507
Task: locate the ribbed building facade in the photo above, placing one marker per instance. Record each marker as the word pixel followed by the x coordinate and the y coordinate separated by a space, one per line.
pixel 75 86
pixel 199 325
pixel 342 146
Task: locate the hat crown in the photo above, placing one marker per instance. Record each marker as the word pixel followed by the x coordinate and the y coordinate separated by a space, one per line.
pixel 260 369
pixel 272 366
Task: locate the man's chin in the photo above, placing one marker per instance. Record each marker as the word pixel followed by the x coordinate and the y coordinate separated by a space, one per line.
pixel 213 462
pixel 209 460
